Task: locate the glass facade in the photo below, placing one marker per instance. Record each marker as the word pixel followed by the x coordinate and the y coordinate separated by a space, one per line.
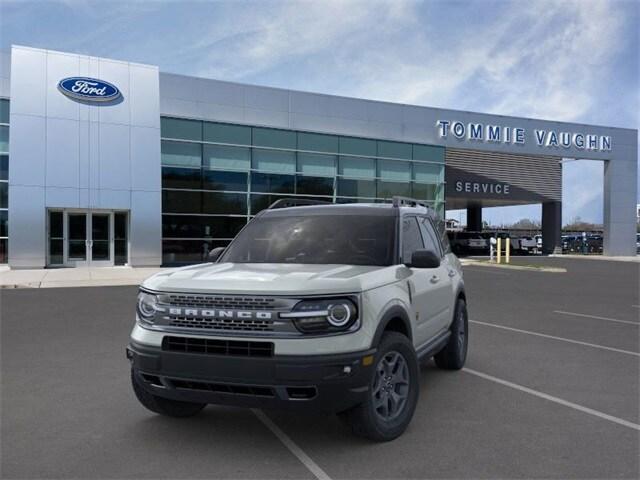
pixel 216 176
pixel 4 179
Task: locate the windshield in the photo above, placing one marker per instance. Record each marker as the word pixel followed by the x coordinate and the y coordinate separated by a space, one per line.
pixel 330 239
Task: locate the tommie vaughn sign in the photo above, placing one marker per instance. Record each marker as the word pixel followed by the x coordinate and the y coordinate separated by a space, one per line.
pixel 478 132
pixel 88 89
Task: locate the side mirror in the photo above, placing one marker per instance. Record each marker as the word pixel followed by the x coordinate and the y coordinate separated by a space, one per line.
pixel 424 259
pixel 215 253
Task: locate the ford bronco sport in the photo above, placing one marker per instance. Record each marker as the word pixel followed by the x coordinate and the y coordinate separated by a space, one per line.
pixel 326 307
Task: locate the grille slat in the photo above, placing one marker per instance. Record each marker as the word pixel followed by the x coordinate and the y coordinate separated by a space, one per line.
pixel 222 324
pixel 218 302
pixel 254 390
pixel 208 346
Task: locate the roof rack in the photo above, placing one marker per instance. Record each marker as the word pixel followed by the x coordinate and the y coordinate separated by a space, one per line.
pixel 409 202
pixel 295 202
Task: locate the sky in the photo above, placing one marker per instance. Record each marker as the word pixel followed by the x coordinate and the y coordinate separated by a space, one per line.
pixel 568 60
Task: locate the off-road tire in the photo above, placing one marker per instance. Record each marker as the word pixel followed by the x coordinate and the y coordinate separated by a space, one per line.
pixel 364 420
pixel 454 353
pixel 164 406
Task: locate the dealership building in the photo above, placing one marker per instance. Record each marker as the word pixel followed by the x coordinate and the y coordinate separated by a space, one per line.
pixel 107 162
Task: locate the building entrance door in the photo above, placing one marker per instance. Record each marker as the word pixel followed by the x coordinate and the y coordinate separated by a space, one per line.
pixel 82 238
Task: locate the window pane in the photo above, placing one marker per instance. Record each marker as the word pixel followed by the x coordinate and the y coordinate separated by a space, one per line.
pixel 173 177
pixel 120 243
pixel 4 251
pixel 4 167
pixel 272 183
pixel 4 224
pixel 314 185
pixel 4 139
pixel 181 154
pixel 274 161
pixel 56 225
pixel 318 143
pixel 428 173
pixel 429 237
pixel 181 201
pixel 394 150
pixel 183 226
pixel 180 252
pixel 356 188
pixel 319 165
pixel 358 146
pixel 228 158
pixel 179 128
pixel 4 111
pixel 411 238
pixel 217 180
pixel 223 133
pixel 357 167
pixel 270 137
pixel 56 251
pixel 389 189
pixel 4 195
pixel 424 191
pixel 213 202
pixel 396 171
pixel 428 153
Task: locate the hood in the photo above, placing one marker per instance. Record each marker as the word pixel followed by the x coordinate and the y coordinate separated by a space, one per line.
pixel 271 278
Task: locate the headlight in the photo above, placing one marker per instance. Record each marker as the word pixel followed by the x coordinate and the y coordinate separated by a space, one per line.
pixel 324 316
pixel 146 306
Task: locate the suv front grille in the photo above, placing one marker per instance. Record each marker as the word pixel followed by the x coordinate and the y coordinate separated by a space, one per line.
pixel 235 324
pixel 223 302
pixel 208 346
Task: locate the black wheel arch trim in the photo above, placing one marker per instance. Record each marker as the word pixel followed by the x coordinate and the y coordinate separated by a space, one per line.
pixel 395 311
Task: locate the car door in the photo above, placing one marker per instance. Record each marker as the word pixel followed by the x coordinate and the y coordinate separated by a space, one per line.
pixel 426 285
pixel 443 295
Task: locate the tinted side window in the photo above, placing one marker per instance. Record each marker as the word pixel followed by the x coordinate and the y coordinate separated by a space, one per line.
pixel 429 236
pixel 411 238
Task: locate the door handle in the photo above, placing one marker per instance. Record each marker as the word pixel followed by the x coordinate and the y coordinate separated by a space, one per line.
pixel 435 279
pixel 452 273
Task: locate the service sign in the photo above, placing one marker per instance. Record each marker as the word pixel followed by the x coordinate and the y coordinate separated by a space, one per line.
pixel 88 89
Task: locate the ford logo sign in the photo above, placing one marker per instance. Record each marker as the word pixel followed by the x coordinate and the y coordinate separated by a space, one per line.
pixel 89 89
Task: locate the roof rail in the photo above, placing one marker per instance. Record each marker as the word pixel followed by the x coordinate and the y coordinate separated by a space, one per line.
pixel 409 202
pixel 295 202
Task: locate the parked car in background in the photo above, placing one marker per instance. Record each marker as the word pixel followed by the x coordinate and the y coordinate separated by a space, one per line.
pixel 637 242
pixel 528 245
pixel 471 243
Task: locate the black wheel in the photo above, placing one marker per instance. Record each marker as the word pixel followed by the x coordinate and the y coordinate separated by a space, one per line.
pixel 393 392
pixel 164 406
pixel 454 354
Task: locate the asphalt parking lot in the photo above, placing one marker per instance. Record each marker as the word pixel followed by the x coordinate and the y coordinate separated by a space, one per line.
pixel 551 390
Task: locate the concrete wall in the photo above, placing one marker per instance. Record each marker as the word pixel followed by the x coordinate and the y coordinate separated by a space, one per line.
pixel 69 154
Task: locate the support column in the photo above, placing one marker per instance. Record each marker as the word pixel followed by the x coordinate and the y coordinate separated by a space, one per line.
pixel 474 218
pixel 619 212
pixel 552 227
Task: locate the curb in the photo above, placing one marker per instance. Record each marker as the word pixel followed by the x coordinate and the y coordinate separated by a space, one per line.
pixel 514 267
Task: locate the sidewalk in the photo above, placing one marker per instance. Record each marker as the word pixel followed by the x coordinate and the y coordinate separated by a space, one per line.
pixel 74 277
pixel 635 258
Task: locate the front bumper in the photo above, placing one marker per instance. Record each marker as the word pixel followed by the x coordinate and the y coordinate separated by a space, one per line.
pixel 327 383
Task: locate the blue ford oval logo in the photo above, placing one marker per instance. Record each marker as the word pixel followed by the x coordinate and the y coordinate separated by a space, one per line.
pixel 90 89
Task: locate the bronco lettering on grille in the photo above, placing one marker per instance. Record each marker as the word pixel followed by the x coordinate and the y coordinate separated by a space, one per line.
pixel 212 313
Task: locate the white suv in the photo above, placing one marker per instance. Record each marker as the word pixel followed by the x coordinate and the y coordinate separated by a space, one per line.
pixel 326 307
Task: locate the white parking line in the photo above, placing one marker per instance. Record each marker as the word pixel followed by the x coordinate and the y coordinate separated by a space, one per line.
pixel 562 339
pixel 293 448
pixel 596 317
pixel 557 400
